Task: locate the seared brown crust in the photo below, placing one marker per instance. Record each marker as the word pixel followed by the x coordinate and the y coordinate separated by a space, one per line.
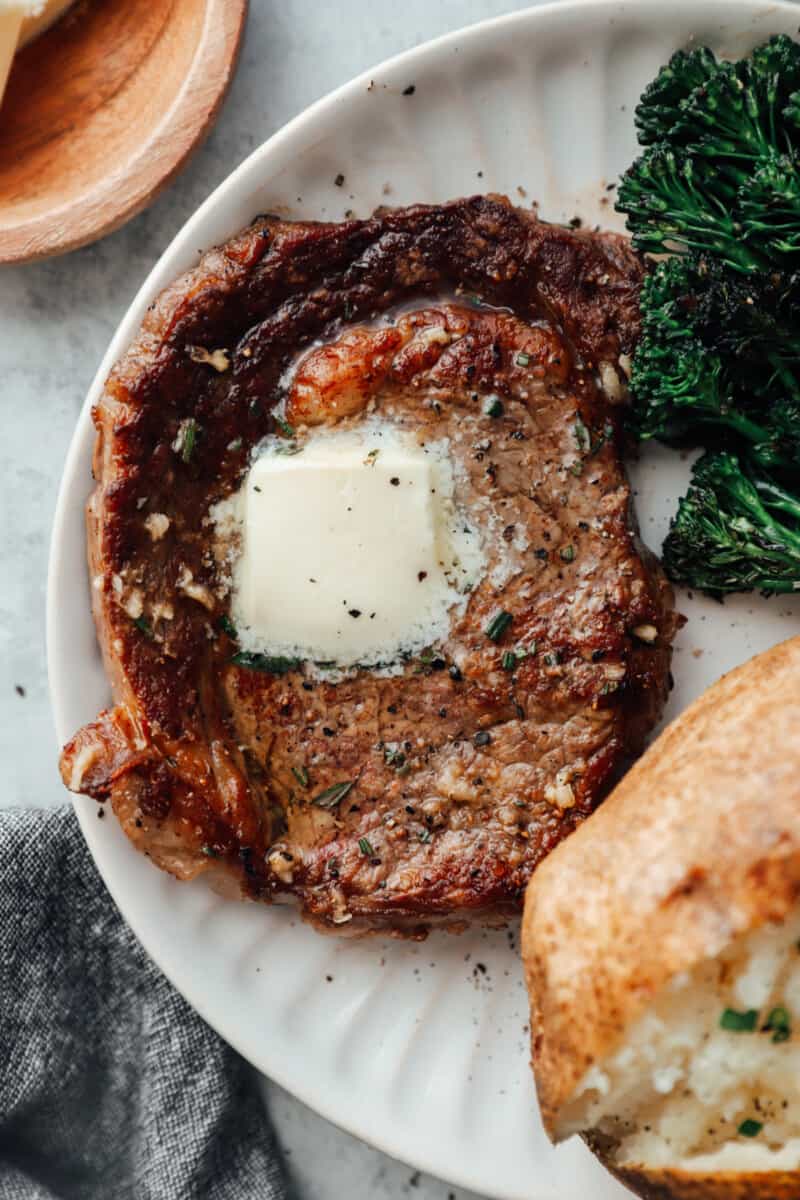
pixel 699 843
pixel 207 777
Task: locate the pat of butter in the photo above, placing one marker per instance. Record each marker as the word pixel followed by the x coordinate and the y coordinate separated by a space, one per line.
pixel 352 549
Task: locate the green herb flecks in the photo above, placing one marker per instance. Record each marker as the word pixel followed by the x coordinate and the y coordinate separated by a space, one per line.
pixel 332 796
pixel 778 1024
pixel 188 438
pixel 583 438
pixel 425 836
pixel 271 664
pixel 144 626
pixel 286 429
pixel 498 625
pixel 567 554
pixel 509 660
pixel 371 458
pixel 739 1022
pixel 365 846
pixel 750 1128
pixel 227 626
pixel 394 757
pixel 493 406
pixel 301 775
pixel 522 360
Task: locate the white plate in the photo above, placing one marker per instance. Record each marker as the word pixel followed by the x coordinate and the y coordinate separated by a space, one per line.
pixel 419 1049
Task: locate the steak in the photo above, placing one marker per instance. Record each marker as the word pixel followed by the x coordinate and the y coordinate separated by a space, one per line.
pixel 429 793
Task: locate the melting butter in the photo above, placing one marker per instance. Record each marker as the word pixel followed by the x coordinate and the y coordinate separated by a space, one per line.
pixel 351 550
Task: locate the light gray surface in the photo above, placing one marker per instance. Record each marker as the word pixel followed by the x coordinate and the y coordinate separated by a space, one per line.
pixel 56 319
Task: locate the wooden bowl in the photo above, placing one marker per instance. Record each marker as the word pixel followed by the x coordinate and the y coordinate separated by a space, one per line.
pixel 102 110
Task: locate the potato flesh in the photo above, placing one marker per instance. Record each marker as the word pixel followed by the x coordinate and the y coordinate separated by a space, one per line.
pixel 678 1089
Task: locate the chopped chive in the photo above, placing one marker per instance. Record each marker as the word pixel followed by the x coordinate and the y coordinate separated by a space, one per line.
pixel 567 554
pixel 143 626
pixel 552 658
pixel 498 625
pixel 227 626
pixel 582 436
pixel 493 406
pixel 779 1024
pixel 509 660
pixel 334 795
pixel 365 846
pixel 188 439
pixel 739 1022
pixel 393 758
pixel 288 448
pixel 272 664
pixel 750 1128
pixel 283 425
pixel 301 775
pixel 522 360
pixel 425 836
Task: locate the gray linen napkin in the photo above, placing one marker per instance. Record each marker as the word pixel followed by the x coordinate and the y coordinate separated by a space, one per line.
pixel 111 1087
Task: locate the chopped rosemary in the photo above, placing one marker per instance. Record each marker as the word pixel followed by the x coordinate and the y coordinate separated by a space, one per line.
pixel 365 846
pixel 522 360
pixel 493 406
pixel 144 627
pixel 778 1024
pixel 188 438
pixel 334 794
pixel 301 775
pixel 498 625
pixel 286 429
pixel 227 626
pixel 272 664
pixel 750 1128
pixel 739 1022
pixel 582 436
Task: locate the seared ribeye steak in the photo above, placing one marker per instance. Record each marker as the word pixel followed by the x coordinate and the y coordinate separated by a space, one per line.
pixel 429 793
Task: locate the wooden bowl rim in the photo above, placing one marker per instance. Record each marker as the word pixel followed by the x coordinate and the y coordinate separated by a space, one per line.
pixel 65 227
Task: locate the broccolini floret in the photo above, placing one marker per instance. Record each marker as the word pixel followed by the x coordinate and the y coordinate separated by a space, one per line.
pixel 717 188
pixel 717 359
pixel 721 173
pixel 734 531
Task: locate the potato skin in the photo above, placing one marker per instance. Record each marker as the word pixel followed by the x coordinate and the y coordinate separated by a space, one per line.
pixel 725 1185
pixel 699 844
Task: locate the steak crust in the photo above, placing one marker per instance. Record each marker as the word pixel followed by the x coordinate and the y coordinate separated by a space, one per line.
pixel 465 768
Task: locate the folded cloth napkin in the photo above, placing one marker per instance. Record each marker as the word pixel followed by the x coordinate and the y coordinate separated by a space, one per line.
pixel 110 1085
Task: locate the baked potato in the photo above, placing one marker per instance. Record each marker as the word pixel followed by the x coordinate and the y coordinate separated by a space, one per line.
pixel 661 945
